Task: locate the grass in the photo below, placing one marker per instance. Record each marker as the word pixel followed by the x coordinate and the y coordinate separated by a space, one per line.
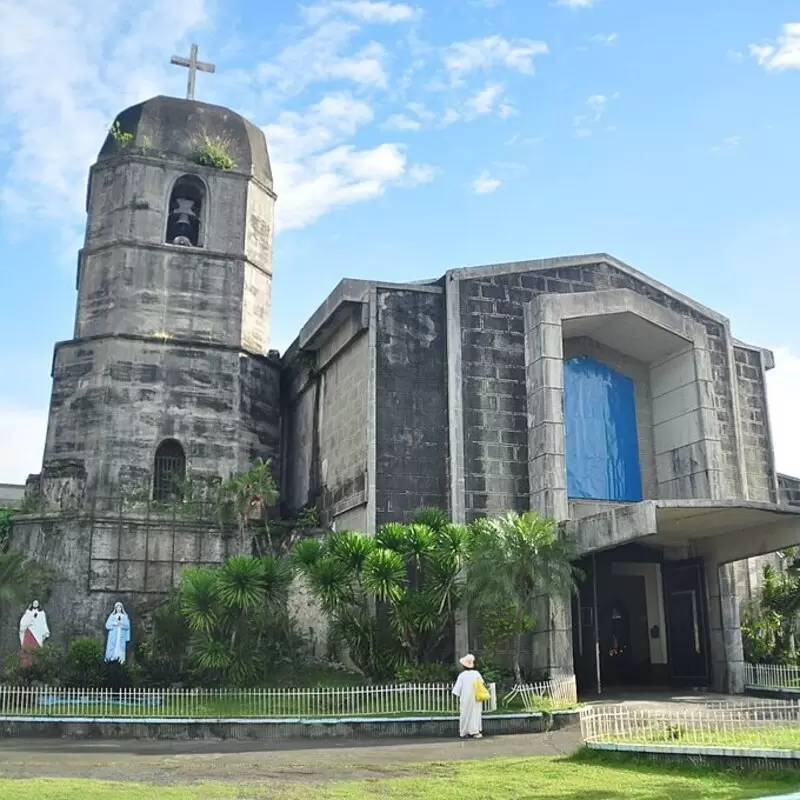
pixel 587 776
pixel 781 737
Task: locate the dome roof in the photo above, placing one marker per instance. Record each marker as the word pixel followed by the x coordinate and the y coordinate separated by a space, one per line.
pixel 171 126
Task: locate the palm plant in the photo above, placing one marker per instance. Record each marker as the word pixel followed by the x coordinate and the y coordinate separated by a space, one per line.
pixel 14 577
pixel 515 559
pixel 21 578
pixel 392 597
pixel 231 611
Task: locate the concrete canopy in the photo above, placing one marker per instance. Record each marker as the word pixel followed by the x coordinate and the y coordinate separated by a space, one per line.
pixel 730 530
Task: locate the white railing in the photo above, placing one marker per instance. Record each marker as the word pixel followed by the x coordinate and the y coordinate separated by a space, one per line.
pixel 228 703
pixel 772 676
pixel 232 704
pixel 557 693
pixel 746 724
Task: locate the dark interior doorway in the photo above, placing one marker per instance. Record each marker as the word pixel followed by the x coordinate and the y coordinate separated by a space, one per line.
pixel 687 626
pixel 615 622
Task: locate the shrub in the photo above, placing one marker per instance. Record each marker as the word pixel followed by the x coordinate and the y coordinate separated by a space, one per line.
pixel 213 151
pixel 46 667
pixel 84 668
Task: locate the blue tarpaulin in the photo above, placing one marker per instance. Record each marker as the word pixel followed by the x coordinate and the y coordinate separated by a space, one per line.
pixel 602 440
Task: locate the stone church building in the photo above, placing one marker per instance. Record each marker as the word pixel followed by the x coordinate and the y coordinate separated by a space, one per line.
pixel 575 386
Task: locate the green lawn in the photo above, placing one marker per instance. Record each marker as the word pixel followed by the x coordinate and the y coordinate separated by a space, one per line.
pixel 784 737
pixel 588 776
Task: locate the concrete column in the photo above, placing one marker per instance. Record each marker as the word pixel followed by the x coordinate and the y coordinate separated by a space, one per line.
pixel 552 639
pixel 456 443
pixel 725 635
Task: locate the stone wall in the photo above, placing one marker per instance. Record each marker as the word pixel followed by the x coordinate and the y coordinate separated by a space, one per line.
pixel 493 375
pixel 789 488
pixel 411 398
pixel 102 560
pixel 115 398
pixel 133 557
pixel 325 420
pixel 754 421
pixel 343 428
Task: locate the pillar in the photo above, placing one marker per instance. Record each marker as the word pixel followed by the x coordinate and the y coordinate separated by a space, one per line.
pixel 725 635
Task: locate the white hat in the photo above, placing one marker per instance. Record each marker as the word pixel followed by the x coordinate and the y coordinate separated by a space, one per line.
pixel 467 661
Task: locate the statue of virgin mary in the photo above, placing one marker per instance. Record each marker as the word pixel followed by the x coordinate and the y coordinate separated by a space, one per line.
pixel 118 626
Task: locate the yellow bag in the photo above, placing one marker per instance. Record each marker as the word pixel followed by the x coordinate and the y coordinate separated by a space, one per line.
pixel 482 694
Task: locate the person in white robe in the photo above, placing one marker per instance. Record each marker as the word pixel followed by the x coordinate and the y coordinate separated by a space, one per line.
pixel 118 626
pixel 33 631
pixel 470 723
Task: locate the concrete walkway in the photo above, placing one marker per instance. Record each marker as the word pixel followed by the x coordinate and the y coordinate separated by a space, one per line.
pixel 180 762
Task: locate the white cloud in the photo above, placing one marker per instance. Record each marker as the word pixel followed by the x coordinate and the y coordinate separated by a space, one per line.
pixel 421 111
pixel 369 11
pixel 402 122
pixel 485 183
pixel 484 101
pixel 322 56
pixel 784 54
pixel 317 172
pixel 728 146
pixel 22 434
pixel 575 3
pixel 420 174
pixel 65 72
pixel 783 389
pixel 597 104
pixel 461 58
pixel 605 39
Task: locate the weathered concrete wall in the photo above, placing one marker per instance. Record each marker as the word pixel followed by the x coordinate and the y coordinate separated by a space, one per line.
pixel 789 488
pixel 493 361
pixel 325 420
pixel 99 562
pixel 754 422
pixel 411 403
pixel 343 428
pixel 131 281
pixel 639 374
pixel 133 557
pixel 115 398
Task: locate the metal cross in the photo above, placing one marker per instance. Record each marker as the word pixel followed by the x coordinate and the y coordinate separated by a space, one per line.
pixel 194 65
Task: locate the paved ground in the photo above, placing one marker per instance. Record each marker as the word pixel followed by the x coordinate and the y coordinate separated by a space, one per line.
pixel 180 762
pixel 165 762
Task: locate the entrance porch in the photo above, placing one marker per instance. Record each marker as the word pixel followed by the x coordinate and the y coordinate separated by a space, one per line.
pixel 658 606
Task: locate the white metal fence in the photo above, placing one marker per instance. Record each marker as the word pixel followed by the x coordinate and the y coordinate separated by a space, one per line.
pixel 762 724
pixel 772 676
pixel 545 696
pixel 232 704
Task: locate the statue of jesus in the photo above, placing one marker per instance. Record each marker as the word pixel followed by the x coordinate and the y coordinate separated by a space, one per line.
pixel 118 626
pixel 33 631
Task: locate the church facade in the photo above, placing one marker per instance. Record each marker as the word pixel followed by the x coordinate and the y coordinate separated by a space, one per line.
pixel 575 386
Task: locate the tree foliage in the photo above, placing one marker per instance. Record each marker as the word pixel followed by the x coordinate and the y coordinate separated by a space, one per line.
pixel 391 598
pixel 769 625
pixel 514 560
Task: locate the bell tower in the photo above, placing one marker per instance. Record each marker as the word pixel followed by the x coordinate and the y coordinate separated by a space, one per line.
pixel 168 372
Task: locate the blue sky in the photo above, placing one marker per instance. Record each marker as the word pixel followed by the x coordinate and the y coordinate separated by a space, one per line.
pixel 410 138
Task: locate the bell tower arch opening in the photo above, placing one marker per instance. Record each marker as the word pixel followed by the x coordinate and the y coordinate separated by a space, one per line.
pixel 169 468
pixel 187 204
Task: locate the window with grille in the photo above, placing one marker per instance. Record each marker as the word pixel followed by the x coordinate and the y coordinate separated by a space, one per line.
pixel 169 470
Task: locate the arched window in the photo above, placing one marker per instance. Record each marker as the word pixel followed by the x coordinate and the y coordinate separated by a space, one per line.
pixel 169 469
pixel 186 212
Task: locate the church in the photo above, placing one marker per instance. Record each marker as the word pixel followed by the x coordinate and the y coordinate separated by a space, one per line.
pixel 575 386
